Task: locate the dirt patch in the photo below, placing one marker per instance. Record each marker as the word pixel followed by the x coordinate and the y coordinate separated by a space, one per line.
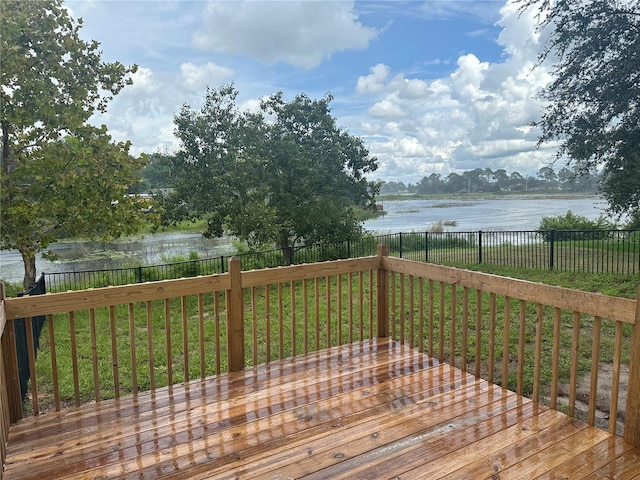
pixel 603 396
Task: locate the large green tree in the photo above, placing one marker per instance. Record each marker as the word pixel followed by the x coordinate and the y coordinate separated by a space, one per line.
pixel 59 175
pixel 285 176
pixel 594 98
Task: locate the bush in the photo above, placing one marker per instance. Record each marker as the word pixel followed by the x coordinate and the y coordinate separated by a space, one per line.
pixel 574 227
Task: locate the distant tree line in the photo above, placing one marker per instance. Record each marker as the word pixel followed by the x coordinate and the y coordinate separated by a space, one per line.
pixel 488 180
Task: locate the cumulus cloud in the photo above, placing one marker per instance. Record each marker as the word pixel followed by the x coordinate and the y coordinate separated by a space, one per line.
pixel 300 33
pixel 478 116
pixel 197 77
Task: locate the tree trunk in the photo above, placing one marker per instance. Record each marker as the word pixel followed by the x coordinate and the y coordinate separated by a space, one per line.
pixel 29 261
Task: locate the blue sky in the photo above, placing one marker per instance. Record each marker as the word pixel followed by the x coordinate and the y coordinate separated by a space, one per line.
pixel 432 87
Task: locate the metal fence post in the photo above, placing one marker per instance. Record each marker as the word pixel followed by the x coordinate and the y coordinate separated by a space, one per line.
pixel 552 236
pixel 400 244
pixel 426 247
pixel 479 246
pixel 140 274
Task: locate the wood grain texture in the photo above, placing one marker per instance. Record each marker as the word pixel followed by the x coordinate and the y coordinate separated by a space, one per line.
pixel 372 409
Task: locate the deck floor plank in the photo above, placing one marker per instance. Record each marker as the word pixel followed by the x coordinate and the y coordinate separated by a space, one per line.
pixel 372 409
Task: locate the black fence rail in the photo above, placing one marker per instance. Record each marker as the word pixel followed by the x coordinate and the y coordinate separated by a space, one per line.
pixel 592 251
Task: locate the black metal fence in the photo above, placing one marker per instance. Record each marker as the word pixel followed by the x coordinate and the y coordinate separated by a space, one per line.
pixel 593 251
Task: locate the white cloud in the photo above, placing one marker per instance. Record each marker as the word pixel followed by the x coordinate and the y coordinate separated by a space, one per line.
pixel 375 81
pixel 197 78
pixel 478 116
pixel 387 108
pixel 143 80
pixel 300 33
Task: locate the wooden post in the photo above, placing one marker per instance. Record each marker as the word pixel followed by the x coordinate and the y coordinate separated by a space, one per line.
pixel 10 364
pixel 632 414
pixel 235 318
pixel 383 292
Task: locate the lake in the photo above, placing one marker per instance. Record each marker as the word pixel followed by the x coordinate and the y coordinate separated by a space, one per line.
pixel 513 213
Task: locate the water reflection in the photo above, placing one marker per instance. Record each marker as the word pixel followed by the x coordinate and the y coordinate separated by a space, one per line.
pixel 90 255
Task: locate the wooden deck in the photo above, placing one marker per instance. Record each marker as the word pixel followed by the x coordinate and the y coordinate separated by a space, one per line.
pixel 376 409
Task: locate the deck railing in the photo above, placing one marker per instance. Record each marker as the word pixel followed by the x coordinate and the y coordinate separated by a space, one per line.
pixel 550 343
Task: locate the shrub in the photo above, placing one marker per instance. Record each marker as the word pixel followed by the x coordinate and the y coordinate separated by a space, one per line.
pixel 574 227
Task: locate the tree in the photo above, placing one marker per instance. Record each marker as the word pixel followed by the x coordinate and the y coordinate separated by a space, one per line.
pixel 290 180
pixel 59 176
pixel 594 99
pixel 547 174
pixel 501 177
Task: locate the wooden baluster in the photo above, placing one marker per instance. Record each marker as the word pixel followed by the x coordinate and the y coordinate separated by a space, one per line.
pixel 521 334
pixel 538 353
pixel 465 328
pixel 412 340
pixel 132 348
pixel 453 314
pixel 421 314
pixel 339 308
pixel 431 314
pixel 327 286
pixel 555 358
pixel 402 303
pixel 615 381
pixel 167 332
pixel 54 362
pixel 350 297
pixel 505 341
pixel 573 377
pixel 94 354
pixel 305 314
pixel 492 338
pixel 292 290
pixel 595 365
pixel 150 350
pixel 280 323
pixel 254 325
pixel 478 333
pixel 216 340
pixel 267 307
pixel 114 351
pixel 361 303
pixel 31 354
pixel 441 323
pixel 203 363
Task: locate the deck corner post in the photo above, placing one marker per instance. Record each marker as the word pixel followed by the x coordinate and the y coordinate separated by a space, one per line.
pixel 632 414
pixel 382 279
pixel 9 359
pixel 235 318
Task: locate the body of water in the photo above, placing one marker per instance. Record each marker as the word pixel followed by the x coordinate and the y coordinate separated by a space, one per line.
pixel 401 216
pixel 512 213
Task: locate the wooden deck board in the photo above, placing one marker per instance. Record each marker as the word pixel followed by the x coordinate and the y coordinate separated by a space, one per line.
pixel 375 409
